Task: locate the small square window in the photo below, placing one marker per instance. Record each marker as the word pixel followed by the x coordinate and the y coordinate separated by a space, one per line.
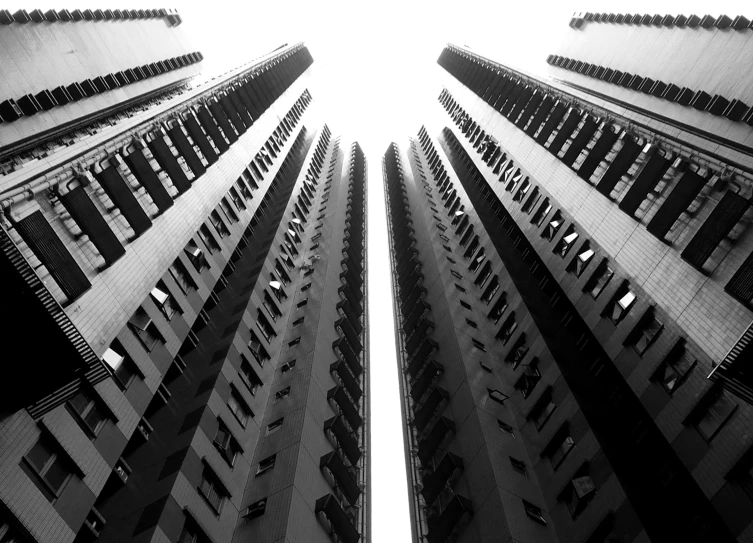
pixel 272 427
pixel 294 342
pixel 266 464
pixel 519 466
pixel 480 346
pixel 282 393
pixel 497 396
pixel 484 367
pixel 471 323
pixel 534 512
pixel 506 428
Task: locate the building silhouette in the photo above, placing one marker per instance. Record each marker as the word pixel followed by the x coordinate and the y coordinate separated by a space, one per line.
pixel 185 264
pixel 572 265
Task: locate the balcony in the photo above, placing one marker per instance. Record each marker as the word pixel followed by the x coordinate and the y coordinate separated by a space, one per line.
pixel 419 360
pixel 441 433
pixel 415 295
pixel 345 478
pixel 422 330
pixel 345 404
pixel 447 471
pixel 350 383
pixel 352 311
pixel 339 523
pixel 434 404
pixel 345 440
pixel 417 311
pixel 350 334
pixel 351 293
pixel 427 377
pixel 349 355
pixel 449 519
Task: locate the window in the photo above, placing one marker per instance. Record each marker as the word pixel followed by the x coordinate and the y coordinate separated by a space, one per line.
pixel 226 444
pixel 287 366
pixel 484 367
pixel 480 346
pixel 553 227
pixel 282 393
pixel 294 342
pixel 274 426
pixel 561 446
pixel 508 328
pixel 191 534
pixel 266 464
pixel 718 409
pixel 249 376
pixel 196 256
pixel 563 247
pixel 466 305
pixel 302 303
pixel 256 348
pixel 506 428
pixel 218 224
pixel 206 236
pixel 534 512
pixel 51 468
pixel 271 307
pixel 578 493
pixel 256 509
pixel 471 323
pixel 496 395
pixel 181 276
pixel 298 321
pixel 211 489
pixel 238 407
pixel 485 273
pixel 89 411
pixel 647 331
pixel 305 287
pixel 599 280
pixel 499 309
pixel 543 211
pixel 580 262
pixel 519 466
pixel 265 327
pixel 461 289
pixel 675 368
pixel 456 274
pixel 543 410
pixel 122 365
pixel 622 303
pixel 164 301
pixel 528 381
pixel 144 329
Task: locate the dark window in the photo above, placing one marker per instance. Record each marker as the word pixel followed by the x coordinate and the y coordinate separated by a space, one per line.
pixel 599 279
pixel 206 236
pixel 238 407
pixel 164 300
pixel 621 304
pixel 497 396
pixel 506 428
pixel 582 259
pixel 646 332
pixel 471 323
pixel 508 328
pixel 144 329
pixel 89 410
pixel 210 488
pixel 265 327
pixel 266 464
pixel 191 534
pixel 578 493
pixel 519 466
pixel 256 348
pixel 499 309
pixel 542 411
pixel 121 363
pixel 181 276
pixel 51 467
pixel 282 393
pixel 226 444
pixel 675 368
pixel 249 376
pixel 196 256
pixel 718 410
pixel 534 512
pixel 560 448
pixel 553 227
pixel 528 381
pixel 274 426
pixel 480 346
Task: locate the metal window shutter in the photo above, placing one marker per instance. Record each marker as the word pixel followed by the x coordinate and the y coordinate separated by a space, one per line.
pixel 140 167
pixel 187 151
pixel 169 163
pixel 222 119
pixel 558 111
pixel 647 179
pixel 240 107
pixel 567 129
pixel 86 215
pixel 579 143
pixel 41 238
pixel 546 106
pixel 741 284
pixel 531 106
pixel 229 108
pixel 212 129
pixel 619 167
pixel 600 150
pixel 688 187
pixel 121 195
pixel 721 220
pixel 198 136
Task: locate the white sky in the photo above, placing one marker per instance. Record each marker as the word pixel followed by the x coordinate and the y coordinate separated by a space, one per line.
pixel 375 76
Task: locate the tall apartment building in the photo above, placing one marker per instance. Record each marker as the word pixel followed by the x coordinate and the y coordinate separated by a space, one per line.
pixel 185 267
pixel 572 265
